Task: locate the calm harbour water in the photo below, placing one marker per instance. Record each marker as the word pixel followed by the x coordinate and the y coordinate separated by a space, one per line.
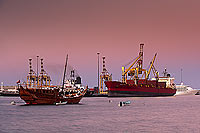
pixel 96 114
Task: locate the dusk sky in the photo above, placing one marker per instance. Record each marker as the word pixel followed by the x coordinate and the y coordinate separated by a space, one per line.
pixel 115 28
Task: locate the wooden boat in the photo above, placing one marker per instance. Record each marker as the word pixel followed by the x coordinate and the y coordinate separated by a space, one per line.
pixel 48 96
pixel 37 90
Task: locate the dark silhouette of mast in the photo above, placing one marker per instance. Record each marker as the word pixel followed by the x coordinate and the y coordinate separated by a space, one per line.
pixel 37 77
pixel 98 69
pixel 181 75
pixel 65 72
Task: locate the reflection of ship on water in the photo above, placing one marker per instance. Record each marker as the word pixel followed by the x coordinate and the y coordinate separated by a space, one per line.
pixel 38 90
pixel 8 90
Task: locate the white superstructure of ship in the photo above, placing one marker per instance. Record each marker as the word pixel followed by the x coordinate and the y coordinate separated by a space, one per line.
pixel 8 90
pixel 182 89
pixel 73 84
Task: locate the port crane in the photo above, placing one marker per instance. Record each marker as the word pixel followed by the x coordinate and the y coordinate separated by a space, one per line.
pixel 104 76
pixel 31 78
pixel 152 67
pixel 135 68
pixel 42 80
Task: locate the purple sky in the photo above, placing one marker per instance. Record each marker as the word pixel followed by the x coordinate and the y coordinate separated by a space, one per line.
pixel 81 28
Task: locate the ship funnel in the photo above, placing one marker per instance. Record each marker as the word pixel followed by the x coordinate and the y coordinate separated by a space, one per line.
pixel 78 80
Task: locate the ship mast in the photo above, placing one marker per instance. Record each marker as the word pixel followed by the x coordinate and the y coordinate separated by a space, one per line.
pixel 181 76
pixel 64 72
pixel 37 77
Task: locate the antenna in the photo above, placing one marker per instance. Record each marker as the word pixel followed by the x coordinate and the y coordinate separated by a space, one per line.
pixel 98 67
pixel 181 75
pixel 37 70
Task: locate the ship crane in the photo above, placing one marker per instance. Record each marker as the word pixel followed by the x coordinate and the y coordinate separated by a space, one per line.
pixel 134 84
pixel 155 72
pixel 43 79
pixel 135 68
pixel 31 78
pixel 104 76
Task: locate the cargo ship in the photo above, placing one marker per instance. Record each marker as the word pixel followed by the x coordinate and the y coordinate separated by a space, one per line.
pixel 136 81
pixel 38 89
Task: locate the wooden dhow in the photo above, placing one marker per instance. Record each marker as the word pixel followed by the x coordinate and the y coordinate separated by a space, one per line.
pixel 37 90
